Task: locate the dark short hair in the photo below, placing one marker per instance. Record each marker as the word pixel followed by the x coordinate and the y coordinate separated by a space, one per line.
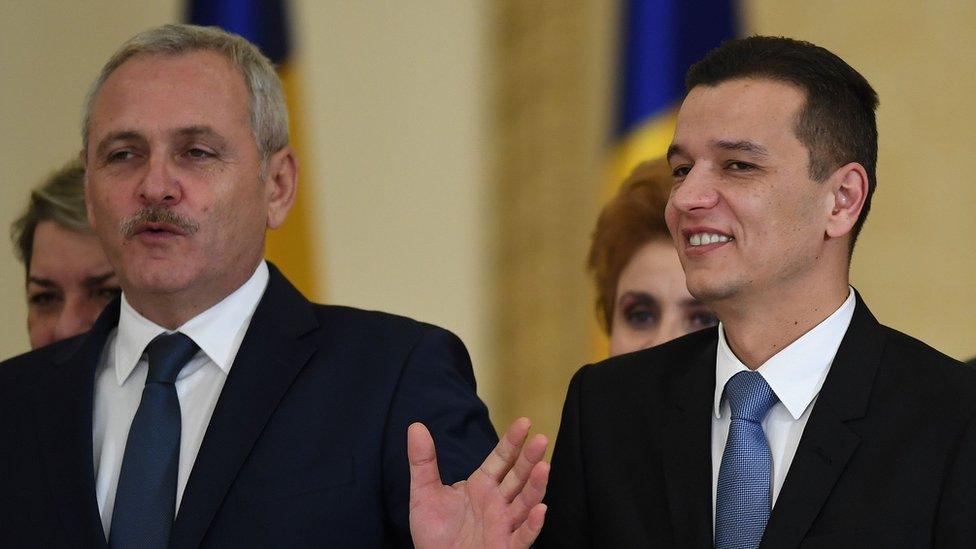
pixel 632 218
pixel 59 198
pixel 837 123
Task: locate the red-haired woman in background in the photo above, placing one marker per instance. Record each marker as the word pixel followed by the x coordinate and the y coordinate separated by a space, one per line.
pixel 641 292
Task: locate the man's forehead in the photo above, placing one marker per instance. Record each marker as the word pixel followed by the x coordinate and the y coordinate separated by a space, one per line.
pixel 740 114
pixel 179 90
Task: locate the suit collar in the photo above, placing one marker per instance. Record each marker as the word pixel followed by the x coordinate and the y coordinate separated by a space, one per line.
pixel 270 357
pixel 217 331
pixel 828 442
pixel 686 454
pixel 64 398
pixel 797 372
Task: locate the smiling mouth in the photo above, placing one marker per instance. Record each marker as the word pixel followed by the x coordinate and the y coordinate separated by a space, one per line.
pixel 704 239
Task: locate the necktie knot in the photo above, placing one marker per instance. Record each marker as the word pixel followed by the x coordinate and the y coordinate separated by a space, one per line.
pixel 167 354
pixel 750 397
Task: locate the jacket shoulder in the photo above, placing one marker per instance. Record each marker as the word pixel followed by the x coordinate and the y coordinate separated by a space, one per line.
pixel 650 373
pixel 926 367
pixel 35 360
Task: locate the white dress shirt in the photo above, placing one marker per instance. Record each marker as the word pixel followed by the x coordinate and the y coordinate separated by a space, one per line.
pixel 122 371
pixel 795 374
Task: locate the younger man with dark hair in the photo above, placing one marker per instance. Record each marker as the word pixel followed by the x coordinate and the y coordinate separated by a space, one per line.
pixel 799 419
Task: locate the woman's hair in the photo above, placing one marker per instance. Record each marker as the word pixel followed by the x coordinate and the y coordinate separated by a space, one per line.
pixel 632 218
pixel 60 198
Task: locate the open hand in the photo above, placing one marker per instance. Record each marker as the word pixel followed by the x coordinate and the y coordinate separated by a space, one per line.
pixel 499 506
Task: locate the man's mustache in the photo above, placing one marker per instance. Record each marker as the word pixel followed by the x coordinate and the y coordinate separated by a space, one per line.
pixel 157 214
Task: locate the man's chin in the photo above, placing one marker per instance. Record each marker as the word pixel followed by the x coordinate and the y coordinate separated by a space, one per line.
pixel 157 277
pixel 711 290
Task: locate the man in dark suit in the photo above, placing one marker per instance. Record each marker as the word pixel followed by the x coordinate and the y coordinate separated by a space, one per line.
pixel 799 420
pixel 213 405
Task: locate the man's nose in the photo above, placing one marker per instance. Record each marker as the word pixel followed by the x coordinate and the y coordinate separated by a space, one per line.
pixel 696 191
pixel 160 184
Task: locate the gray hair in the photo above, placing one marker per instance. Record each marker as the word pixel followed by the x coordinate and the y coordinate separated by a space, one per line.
pixel 59 198
pixel 269 114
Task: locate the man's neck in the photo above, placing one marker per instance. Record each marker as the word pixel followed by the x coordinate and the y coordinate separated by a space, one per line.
pixel 757 328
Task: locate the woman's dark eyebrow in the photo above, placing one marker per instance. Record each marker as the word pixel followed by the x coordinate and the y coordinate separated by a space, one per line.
pixel 97 280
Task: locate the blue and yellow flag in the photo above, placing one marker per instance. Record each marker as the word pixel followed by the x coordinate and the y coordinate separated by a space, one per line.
pixel 266 24
pixel 660 39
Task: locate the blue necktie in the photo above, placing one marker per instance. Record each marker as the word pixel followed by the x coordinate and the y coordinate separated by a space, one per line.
pixel 145 500
pixel 744 493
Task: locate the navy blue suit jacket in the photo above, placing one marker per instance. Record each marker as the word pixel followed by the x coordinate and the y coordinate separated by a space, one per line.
pixel 306 446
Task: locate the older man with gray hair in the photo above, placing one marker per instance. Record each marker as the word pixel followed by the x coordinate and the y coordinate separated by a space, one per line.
pixel 212 404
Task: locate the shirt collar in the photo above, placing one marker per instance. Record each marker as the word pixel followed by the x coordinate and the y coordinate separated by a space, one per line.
pixel 797 372
pixel 218 331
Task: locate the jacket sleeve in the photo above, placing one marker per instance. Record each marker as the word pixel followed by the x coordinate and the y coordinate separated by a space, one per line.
pixel 436 387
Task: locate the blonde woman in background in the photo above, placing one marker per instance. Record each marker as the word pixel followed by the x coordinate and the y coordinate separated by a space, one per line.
pixel 69 279
pixel 642 298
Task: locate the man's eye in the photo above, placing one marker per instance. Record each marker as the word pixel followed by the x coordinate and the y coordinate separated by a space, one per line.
pixel 740 166
pixel 120 156
pixel 198 153
pixel 680 171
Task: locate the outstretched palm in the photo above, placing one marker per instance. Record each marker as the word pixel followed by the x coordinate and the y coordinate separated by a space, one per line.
pixel 499 506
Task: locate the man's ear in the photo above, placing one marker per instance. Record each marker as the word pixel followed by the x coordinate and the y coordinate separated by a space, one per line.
pixel 281 184
pixel 849 190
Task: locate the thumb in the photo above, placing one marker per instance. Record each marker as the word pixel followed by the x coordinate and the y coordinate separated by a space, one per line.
pixel 422 458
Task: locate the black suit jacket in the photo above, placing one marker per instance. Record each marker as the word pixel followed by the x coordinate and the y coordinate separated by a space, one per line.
pixel 887 458
pixel 306 446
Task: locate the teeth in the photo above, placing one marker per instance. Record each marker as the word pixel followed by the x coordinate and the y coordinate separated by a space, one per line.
pixel 703 239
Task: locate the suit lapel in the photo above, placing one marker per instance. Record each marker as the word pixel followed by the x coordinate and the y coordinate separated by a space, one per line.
pixel 686 452
pixel 63 411
pixel 270 357
pixel 828 442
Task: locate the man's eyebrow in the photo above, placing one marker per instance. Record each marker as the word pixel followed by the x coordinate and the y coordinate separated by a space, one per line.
pixel 674 150
pixel 199 131
pixel 97 280
pixel 744 146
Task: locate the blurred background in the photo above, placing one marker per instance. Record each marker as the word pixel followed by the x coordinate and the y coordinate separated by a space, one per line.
pixel 455 154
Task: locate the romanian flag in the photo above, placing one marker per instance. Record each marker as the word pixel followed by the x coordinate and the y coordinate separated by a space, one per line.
pixel 660 39
pixel 266 24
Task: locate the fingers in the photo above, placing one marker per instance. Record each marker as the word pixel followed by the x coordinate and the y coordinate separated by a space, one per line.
pixel 500 460
pixel 422 458
pixel 529 530
pixel 515 479
pixel 531 495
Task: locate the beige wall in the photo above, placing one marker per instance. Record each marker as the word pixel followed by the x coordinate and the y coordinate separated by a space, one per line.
pixel 916 262
pixel 399 98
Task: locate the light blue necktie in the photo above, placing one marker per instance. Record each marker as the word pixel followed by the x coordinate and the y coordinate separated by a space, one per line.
pixel 145 500
pixel 744 493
